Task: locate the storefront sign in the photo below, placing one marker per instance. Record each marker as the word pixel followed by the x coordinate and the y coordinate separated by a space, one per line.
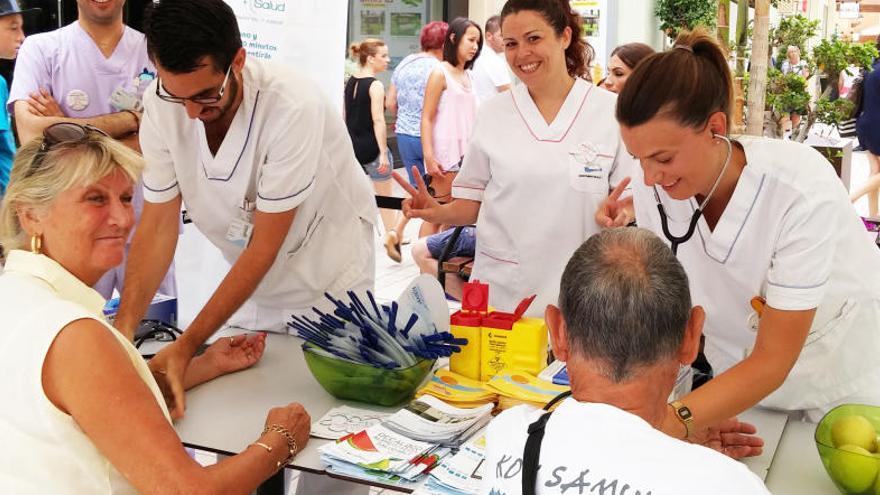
pixel 397 22
pixel 848 10
pixel 595 26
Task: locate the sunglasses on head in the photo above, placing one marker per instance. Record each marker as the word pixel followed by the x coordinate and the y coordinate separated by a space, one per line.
pixel 62 133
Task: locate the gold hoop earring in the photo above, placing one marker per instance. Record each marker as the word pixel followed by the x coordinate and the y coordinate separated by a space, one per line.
pixel 36 243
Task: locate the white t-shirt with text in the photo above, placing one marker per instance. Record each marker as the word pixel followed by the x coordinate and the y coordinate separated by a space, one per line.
pixel 599 449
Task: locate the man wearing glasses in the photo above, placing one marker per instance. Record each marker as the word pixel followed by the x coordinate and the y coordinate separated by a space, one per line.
pixel 92 71
pixel 265 166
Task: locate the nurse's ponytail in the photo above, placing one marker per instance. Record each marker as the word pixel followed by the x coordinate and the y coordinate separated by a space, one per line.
pixel 687 83
pixel 559 15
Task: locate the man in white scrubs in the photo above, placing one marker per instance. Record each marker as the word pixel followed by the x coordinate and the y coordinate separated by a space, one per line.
pixel 624 326
pixel 490 73
pixel 265 166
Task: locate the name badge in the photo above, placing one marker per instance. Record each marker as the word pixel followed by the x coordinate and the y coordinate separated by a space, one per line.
pixel 241 228
pixel 121 100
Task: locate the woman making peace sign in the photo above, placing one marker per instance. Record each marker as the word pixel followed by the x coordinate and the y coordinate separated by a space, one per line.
pixel 542 157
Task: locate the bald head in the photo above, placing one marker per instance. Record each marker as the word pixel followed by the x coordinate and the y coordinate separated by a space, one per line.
pixel 625 301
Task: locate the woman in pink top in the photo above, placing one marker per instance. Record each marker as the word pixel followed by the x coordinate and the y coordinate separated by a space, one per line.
pixel 450 109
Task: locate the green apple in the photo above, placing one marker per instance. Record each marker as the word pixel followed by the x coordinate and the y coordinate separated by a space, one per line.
pixel 854 430
pixel 854 468
pixel 877 485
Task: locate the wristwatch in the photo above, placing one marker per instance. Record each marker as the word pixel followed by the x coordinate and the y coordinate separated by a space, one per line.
pixel 684 414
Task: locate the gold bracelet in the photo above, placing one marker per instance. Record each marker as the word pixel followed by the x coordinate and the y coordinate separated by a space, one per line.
pixel 268 448
pixel 291 443
pixel 261 444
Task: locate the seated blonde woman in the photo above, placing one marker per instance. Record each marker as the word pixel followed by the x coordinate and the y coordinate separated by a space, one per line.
pixel 82 412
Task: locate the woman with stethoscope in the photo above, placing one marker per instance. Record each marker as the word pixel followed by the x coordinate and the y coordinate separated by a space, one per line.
pixel 541 159
pixel 775 254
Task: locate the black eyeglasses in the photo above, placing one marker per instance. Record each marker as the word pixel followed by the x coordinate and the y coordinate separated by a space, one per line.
pixel 62 133
pixel 200 100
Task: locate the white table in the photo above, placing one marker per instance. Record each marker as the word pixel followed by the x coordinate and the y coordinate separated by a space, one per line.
pixel 226 415
pixel 797 468
pixel 770 425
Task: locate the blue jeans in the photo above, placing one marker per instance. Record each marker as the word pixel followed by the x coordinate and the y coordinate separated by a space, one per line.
pixel 372 169
pixel 465 245
pixel 410 148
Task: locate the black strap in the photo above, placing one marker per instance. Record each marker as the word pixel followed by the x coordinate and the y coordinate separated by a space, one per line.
pixel 389 202
pixel 532 450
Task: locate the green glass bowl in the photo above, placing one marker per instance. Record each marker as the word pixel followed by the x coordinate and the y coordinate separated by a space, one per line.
pixel 365 383
pixel 853 473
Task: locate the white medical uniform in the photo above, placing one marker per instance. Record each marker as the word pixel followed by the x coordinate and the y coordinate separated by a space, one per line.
pixel 540 186
pixel 790 235
pixel 598 448
pixel 287 128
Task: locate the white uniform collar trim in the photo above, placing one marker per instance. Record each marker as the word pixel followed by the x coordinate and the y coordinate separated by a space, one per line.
pixel 61 281
pixel 565 119
pixel 223 165
pixel 719 243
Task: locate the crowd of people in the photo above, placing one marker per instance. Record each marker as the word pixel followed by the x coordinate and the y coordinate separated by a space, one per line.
pixel 501 134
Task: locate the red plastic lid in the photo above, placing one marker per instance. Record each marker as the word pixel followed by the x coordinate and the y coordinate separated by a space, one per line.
pixel 524 306
pixel 466 319
pixel 475 297
pixel 500 320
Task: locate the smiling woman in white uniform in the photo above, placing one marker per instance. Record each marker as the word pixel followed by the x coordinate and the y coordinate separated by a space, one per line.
pixel 541 158
pixel 778 259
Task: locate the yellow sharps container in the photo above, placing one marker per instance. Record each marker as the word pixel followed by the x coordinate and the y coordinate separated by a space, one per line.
pixel 467 324
pixel 510 341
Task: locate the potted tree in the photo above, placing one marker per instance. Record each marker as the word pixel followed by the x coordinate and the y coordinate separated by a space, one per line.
pixel 794 30
pixel 677 15
pixel 789 92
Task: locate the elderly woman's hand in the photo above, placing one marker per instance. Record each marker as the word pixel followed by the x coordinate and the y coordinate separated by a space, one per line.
pixel 293 418
pixel 231 354
pixel 175 372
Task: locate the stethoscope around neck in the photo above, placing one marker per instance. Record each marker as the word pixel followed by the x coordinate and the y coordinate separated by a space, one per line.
pixel 675 241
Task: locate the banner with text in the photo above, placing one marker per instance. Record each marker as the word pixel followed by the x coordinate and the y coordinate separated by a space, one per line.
pixel 308 34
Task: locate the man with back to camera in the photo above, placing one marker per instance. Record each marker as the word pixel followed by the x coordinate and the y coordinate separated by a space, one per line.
pixel 92 71
pixel 265 166
pixel 491 74
pixel 624 326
